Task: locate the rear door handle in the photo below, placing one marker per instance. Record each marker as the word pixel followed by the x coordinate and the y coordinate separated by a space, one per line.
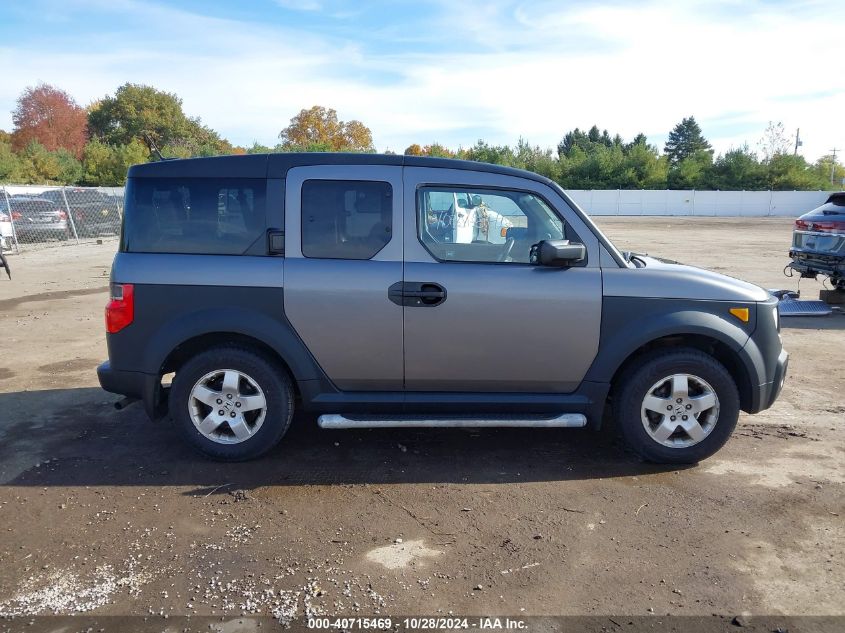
pixel 416 294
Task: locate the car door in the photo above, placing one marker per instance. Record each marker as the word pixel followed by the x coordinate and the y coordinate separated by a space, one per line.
pixel 343 250
pixel 478 317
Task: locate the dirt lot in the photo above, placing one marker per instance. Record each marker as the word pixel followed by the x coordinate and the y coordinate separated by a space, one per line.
pixel 105 512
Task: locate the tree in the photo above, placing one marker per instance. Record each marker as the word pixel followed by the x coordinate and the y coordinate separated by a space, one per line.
pixel 50 117
pixel 9 163
pixel 685 140
pixel 319 129
pixel 774 142
pixel 738 169
pixel 136 109
pixel 788 172
pixel 822 168
pixel 106 165
pixel 692 172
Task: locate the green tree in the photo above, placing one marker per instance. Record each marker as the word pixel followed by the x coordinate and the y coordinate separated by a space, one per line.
pixel 738 169
pixel 645 167
pixel 319 129
pixel 70 167
pixel 791 172
pixel 692 172
pixel 822 169
pixel 686 141
pixel 136 109
pixel 38 166
pixel 10 167
pixel 106 165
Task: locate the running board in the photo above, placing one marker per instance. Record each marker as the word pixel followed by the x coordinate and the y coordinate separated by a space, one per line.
pixel 337 421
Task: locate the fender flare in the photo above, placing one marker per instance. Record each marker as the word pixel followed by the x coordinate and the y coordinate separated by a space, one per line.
pixel 619 343
pixel 276 333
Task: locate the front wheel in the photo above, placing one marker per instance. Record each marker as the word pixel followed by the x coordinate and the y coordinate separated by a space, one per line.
pixel 676 406
pixel 231 403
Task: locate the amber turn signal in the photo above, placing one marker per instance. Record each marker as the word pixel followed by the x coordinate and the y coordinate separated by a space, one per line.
pixel 740 313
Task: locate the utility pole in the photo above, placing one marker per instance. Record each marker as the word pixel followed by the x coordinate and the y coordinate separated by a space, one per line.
pixel 833 164
pixel 798 142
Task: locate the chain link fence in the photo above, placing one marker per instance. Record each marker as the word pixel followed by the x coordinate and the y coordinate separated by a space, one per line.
pixel 35 216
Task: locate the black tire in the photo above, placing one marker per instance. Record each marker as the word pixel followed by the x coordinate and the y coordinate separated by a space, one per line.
pixel 273 380
pixel 632 388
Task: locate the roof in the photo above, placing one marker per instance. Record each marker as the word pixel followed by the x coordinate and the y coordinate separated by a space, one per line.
pixel 277 165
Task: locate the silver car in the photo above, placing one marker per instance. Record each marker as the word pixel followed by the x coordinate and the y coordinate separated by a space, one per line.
pixel 400 291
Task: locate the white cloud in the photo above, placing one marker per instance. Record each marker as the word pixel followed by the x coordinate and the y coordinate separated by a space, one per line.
pixel 533 69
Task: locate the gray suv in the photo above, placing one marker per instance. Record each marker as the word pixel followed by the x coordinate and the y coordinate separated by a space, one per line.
pixel 400 291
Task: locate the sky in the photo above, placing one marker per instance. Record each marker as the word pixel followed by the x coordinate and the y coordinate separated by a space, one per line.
pixel 450 71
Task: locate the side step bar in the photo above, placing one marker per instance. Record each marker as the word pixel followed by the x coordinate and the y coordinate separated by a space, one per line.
pixel 337 421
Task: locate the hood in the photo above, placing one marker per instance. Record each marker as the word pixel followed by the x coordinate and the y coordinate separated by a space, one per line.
pixel 670 280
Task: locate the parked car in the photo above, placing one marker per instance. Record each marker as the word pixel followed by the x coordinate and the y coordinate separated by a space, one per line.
pixel 37 219
pixel 818 241
pixel 94 213
pixel 6 231
pixel 318 281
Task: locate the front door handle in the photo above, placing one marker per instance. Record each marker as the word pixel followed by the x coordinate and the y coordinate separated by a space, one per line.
pixel 416 294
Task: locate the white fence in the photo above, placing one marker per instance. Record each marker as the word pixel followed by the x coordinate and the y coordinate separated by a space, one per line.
pixel 697 203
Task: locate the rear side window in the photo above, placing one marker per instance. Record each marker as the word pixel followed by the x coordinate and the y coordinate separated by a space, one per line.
pixel 211 216
pixel 345 219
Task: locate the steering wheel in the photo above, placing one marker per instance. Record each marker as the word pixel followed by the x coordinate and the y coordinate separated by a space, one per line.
pixel 506 252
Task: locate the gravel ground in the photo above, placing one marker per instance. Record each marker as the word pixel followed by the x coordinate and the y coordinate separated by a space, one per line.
pixel 103 512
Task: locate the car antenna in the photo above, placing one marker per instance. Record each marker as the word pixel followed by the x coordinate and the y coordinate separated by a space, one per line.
pixel 153 147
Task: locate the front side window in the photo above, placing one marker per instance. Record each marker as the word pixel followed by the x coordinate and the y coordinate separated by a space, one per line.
pixel 480 225
pixel 212 216
pixel 346 219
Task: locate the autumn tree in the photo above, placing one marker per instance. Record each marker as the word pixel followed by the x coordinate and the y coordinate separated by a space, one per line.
pixel 136 110
pixel 50 117
pixel 686 141
pixel 319 129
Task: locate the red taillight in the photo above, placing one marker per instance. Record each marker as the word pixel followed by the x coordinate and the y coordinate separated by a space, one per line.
pixel 16 215
pixel 120 310
pixel 823 226
pixel 63 215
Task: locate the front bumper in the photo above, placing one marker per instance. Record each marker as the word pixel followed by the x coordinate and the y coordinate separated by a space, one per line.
pixel 774 388
pixel 134 384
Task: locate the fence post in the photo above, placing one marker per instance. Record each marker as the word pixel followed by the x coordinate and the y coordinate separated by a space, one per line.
pixel 692 210
pixel 771 201
pixel 12 222
pixel 618 200
pixel 70 216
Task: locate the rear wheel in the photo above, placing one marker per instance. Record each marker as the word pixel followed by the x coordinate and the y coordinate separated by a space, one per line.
pixel 231 403
pixel 676 406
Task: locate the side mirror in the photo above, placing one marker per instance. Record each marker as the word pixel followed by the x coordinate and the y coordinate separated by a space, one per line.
pixel 557 253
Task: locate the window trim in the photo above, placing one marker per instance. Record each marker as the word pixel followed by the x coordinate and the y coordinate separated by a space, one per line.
pixel 302 212
pixel 567 227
